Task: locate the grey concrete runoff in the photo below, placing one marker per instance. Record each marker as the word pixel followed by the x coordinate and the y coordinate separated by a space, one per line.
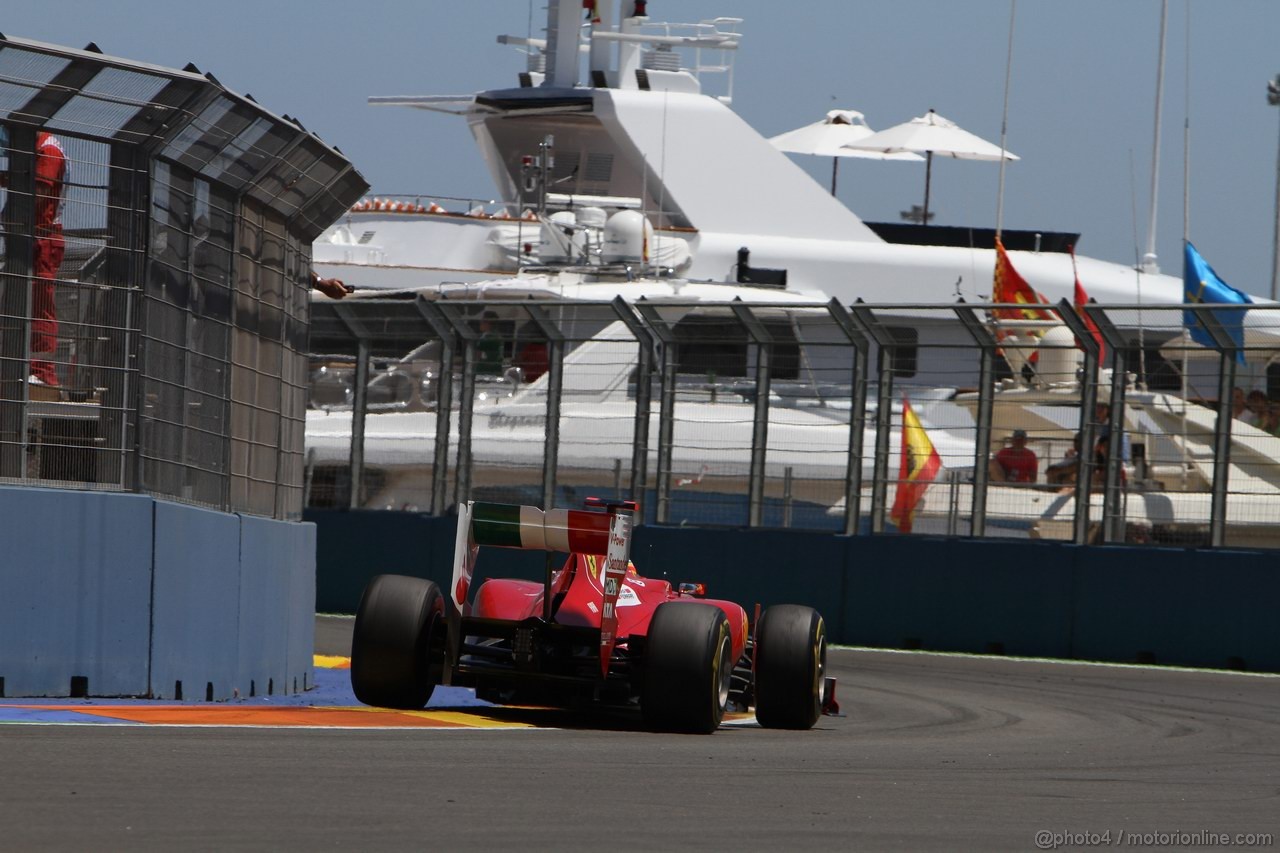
pixel 935 753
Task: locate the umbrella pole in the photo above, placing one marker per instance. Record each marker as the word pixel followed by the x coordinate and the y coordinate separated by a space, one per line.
pixel 928 172
pixel 835 167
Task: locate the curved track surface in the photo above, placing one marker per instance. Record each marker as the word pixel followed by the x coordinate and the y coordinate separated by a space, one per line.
pixel 935 752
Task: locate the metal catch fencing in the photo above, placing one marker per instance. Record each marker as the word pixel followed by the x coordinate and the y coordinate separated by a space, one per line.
pixel 864 418
pixel 154 275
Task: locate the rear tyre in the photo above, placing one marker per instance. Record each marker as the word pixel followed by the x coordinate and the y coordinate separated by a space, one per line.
pixel 688 664
pixel 399 633
pixel 791 659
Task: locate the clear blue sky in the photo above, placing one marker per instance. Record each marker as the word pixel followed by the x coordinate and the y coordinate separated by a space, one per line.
pixel 1081 109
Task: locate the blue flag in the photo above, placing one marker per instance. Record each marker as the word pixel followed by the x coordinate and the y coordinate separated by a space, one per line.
pixel 1201 284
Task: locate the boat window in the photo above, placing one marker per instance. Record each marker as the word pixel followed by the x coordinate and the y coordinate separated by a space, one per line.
pixel 718 346
pixel 905 351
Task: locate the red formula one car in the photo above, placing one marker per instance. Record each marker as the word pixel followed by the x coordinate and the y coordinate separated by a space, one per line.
pixel 595 631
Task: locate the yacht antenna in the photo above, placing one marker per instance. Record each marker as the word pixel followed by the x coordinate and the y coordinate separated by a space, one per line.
pixel 1149 264
pixel 1004 123
pixel 662 179
pixel 1137 272
pixel 1186 135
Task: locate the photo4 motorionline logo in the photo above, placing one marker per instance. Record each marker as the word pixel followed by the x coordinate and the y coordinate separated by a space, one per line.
pixel 1049 840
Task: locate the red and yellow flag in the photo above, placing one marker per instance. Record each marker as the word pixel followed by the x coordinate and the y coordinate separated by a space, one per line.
pixel 1010 287
pixel 1081 300
pixel 918 468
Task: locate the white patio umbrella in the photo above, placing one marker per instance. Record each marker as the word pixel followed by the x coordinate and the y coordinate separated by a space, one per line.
pixel 829 138
pixel 932 134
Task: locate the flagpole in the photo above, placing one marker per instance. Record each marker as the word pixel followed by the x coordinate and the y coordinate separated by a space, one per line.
pixel 1149 264
pixel 1004 120
pixel 1186 232
pixel 1273 98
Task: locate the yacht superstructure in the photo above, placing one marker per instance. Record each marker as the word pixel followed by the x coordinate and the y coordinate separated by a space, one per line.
pixel 636 127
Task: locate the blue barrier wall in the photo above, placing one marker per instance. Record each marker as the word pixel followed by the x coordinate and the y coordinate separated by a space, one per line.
pixel 1190 607
pixel 124 595
pixel 75 591
pixel 195 610
pixel 277 605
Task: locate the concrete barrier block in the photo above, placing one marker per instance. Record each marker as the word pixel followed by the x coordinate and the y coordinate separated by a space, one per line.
pixel 1187 607
pixel 960 595
pixel 265 562
pixel 751 567
pixel 196 603
pixel 300 659
pixel 354 546
pixel 75 589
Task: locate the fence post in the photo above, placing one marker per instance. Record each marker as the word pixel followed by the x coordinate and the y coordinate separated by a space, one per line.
pixel 760 422
pixel 1229 353
pixel 555 390
pixel 986 404
pixel 666 407
pixel 359 403
pixel 15 301
pixel 867 323
pixel 644 396
pixel 466 400
pixel 444 404
pixel 1088 403
pixel 857 416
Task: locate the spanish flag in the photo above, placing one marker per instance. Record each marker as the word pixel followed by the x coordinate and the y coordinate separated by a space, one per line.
pixel 1008 286
pixel 919 467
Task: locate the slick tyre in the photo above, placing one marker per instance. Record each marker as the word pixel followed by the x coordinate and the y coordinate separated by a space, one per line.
pixel 399 635
pixel 791 659
pixel 688 664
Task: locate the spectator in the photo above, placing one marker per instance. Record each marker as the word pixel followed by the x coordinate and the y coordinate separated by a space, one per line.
pixel 330 287
pixel 1271 420
pixel 1016 463
pixel 1102 417
pixel 489 349
pixel 1100 465
pixel 1255 407
pixel 1237 402
pixel 532 360
pixel 1063 472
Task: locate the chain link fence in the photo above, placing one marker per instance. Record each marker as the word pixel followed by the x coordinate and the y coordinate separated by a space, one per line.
pixel 154 276
pixel 970 420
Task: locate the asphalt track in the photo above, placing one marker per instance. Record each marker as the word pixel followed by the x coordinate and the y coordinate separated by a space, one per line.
pixel 935 753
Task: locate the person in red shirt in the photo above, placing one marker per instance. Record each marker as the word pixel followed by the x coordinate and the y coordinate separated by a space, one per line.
pixel 51 176
pixel 1016 463
pixel 533 360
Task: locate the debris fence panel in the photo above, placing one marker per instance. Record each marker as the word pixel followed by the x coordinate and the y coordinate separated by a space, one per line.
pixel 155 238
pixel 558 389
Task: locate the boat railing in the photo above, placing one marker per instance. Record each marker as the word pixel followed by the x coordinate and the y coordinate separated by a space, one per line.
pixel 703 48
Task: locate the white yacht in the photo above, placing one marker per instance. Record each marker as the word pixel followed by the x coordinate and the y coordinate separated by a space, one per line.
pixel 631 126
pixel 619 175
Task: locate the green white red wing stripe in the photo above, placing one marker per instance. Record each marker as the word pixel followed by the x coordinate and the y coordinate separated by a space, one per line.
pixel 564 530
pixel 615 569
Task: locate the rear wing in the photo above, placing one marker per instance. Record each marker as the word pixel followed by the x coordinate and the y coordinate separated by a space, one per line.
pixel 607 534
